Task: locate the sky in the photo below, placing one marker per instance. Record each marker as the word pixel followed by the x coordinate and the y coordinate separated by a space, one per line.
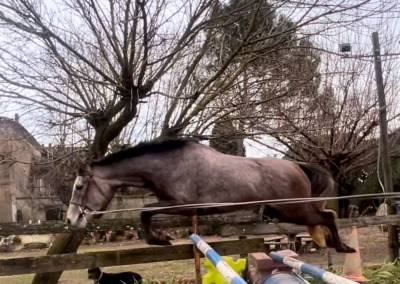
pixel 357 35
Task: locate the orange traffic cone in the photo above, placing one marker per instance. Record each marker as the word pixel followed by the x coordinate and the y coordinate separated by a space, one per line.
pixel 352 264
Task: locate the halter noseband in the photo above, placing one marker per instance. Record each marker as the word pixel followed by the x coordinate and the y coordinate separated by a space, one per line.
pixel 82 211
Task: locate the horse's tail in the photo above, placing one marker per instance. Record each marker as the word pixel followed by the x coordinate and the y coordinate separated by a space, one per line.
pixel 322 185
pixel 322 182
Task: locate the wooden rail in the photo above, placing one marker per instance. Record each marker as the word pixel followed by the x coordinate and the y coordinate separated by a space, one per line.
pixel 290 229
pixel 245 224
pixel 53 227
pixel 61 262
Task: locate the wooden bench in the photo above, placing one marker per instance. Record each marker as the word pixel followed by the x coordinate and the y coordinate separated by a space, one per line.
pixel 274 242
pixel 303 242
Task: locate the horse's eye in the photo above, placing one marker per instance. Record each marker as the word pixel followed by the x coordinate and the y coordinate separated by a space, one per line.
pixel 79 187
pixel 79 183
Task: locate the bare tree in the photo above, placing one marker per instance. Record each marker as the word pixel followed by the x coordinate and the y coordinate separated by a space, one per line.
pixel 333 124
pixel 225 139
pixel 238 62
pixel 90 59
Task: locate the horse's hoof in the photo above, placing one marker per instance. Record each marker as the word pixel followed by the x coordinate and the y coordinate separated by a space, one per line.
pixel 343 248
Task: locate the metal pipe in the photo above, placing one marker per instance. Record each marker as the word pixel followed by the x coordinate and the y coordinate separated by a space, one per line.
pixel 284 278
pixel 312 270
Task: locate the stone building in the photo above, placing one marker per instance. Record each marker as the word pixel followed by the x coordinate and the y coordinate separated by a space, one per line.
pixel 23 197
pixel 25 189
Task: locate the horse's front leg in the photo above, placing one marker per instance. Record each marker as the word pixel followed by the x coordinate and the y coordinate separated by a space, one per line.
pixel 153 237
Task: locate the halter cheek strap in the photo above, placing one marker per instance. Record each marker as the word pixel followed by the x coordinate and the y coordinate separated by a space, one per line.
pixel 75 203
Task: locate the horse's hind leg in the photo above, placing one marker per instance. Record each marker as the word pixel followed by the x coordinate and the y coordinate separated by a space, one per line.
pixel 152 237
pixel 318 235
pixel 333 240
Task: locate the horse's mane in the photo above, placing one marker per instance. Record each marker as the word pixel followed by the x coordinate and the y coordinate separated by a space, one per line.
pixel 143 148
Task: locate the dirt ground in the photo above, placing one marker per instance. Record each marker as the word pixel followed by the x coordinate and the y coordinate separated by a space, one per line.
pixel 373 246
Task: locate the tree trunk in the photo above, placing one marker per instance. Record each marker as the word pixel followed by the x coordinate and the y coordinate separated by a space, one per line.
pixel 99 145
pixel 63 243
pixel 226 138
pixel 70 242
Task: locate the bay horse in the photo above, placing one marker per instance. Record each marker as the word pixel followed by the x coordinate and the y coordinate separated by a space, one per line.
pixel 182 172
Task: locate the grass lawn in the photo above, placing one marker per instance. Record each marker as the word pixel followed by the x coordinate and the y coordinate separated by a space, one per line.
pixel 385 274
pixel 164 271
pixel 171 271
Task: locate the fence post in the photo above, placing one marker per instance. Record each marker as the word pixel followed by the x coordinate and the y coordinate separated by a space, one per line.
pixel 393 238
pixel 196 252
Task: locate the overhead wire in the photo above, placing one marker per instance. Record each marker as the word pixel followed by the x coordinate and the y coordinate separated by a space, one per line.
pixel 283 201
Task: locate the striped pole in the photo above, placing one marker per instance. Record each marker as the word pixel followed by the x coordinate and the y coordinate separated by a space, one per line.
pixel 226 271
pixel 312 270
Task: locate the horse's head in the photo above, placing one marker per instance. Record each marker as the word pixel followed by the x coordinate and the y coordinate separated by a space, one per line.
pixel 87 196
pixel 76 213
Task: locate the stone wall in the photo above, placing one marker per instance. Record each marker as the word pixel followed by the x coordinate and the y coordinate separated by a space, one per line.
pixel 129 201
pixel 6 210
pixel 7 186
pixel 17 154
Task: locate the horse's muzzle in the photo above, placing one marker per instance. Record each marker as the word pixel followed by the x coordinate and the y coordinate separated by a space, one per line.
pixel 80 222
pixel 76 216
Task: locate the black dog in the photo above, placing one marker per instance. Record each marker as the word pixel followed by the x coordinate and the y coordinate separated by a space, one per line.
pixel 101 277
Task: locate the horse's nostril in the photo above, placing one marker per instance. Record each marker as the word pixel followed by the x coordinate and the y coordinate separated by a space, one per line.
pixel 68 221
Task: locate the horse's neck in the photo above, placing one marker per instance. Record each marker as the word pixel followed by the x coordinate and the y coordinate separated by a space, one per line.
pixel 131 172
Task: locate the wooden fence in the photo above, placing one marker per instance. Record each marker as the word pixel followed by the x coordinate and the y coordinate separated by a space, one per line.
pixel 61 262
pixel 53 227
pixel 52 263
pixel 227 226
pixel 290 229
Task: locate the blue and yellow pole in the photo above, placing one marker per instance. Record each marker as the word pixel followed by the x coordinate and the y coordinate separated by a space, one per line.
pixel 226 271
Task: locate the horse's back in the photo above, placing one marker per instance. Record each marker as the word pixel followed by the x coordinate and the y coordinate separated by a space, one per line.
pixel 285 175
pixel 241 178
